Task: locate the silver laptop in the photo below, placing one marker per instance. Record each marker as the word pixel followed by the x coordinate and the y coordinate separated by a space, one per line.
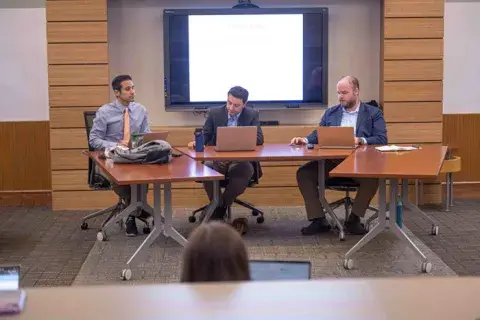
pixel 236 138
pixel 336 138
pixel 265 270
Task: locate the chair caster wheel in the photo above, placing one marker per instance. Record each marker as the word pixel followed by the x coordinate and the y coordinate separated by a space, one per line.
pixel 426 267
pixel 434 230
pixel 146 230
pixel 126 274
pixel 341 236
pixel 241 225
pixel 101 236
pixel 192 219
pixel 84 226
pixel 260 219
pixel 348 264
pixel 255 213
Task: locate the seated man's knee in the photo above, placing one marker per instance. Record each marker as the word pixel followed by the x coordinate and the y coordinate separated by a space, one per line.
pixel 303 173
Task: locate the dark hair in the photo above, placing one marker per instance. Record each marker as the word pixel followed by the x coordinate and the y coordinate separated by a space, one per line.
pixel 239 93
pixel 215 252
pixel 117 81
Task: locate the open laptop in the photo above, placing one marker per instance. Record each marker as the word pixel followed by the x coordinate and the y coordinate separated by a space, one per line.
pixel 12 297
pixel 265 270
pixel 236 138
pixel 336 138
pixel 147 137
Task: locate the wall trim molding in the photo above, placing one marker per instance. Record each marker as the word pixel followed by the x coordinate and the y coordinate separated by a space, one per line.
pixel 27 198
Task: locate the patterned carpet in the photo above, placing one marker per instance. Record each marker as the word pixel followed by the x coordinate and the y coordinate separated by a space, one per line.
pixel 278 238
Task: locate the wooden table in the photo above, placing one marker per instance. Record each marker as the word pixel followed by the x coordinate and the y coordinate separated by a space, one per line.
pixel 400 298
pixel 280 152
pixel 181 169
pixel 367 162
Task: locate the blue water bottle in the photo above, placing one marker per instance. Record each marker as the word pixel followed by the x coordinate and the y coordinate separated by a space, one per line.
pixel 199 140
pixel 400 213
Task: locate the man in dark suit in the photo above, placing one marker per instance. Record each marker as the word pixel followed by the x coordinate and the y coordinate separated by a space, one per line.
pixel 234 113
pixel 370 128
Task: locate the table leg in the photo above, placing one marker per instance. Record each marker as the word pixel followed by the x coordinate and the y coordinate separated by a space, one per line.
pixel 451 189
pixel 379 227
pixel 214 203
pixel 165 228
pixel 324 202
pixel 169 230
pixel 412 207
pixel 386 223
pixel 135 204
pixel 449 193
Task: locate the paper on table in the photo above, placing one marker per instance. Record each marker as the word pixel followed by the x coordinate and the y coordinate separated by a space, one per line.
pixel 396 148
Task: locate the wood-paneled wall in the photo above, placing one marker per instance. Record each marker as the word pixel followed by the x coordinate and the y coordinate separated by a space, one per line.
pixel 412 70
pixel 411 90
pixel 78 75
pixel 462 132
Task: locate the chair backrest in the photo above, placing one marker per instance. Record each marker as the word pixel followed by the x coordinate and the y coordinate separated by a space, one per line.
pixel 89 116
pixel 94 180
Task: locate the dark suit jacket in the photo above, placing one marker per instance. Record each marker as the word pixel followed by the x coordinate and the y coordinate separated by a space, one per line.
pixel 370 124
pixel 218 117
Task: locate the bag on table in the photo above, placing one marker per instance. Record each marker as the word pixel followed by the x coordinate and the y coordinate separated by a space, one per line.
pixel 152 152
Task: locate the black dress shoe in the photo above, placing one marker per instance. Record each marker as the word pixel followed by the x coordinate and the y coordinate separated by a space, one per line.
pixel 318 225
pixel 354 226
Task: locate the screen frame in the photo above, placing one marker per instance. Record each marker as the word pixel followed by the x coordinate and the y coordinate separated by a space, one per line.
pixel 167 13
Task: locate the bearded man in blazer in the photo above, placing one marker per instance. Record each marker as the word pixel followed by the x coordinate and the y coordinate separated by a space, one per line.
pixel 370 128
pixel 234 113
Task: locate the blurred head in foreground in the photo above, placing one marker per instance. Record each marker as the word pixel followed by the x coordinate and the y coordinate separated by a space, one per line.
pixel 215 252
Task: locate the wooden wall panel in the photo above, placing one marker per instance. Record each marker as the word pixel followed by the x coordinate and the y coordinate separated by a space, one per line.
pixel 25 159
pixel 414 28
pixel 414 132
pixel 462 132
pixel 77 10
pixel 413 111
pixel 413 70
pixel 414 8
pixel 77 53
pixel 412 91
pixel 64 117
pixel 411 86
pixel 73 96
pixel 413 49
pixel 77 32
pixel 78 75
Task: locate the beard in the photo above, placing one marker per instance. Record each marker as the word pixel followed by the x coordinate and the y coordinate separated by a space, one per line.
pixel 348 104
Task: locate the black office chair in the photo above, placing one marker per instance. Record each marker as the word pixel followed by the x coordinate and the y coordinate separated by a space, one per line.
pixel 98 182
pixel 255 211
pixel 347 185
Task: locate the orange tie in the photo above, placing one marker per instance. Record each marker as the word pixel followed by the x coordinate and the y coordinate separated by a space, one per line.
pixel 126 127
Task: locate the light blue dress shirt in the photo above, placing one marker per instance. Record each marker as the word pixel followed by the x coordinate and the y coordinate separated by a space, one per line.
pixel 349 119
pixel 107 130
pixel 233 120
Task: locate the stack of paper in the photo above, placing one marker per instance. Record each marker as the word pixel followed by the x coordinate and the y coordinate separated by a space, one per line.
pixel 396 148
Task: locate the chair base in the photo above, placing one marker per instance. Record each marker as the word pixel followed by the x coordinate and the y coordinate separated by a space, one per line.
pixel 348 203
pixel 255 211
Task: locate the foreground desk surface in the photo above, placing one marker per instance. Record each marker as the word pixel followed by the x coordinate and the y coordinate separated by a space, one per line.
pixel 392 298
pixel 367 162
pixel 179 170
pixel 268 152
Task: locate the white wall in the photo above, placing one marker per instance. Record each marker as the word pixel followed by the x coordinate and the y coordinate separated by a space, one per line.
pixel 461 84
pixel 23 58
pixel 135 31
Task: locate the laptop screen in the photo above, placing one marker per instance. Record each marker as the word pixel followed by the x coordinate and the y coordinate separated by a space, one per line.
pixel 9 278
pixel 264 270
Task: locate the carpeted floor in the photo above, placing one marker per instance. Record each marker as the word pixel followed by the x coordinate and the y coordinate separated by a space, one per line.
pixel 278 238
pixel 52 250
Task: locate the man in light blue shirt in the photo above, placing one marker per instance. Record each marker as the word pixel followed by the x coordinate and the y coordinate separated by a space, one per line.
pixel 369 128
pixel 108 131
